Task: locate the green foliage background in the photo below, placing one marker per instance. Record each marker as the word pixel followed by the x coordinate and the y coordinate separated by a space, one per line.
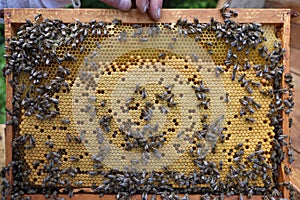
pixel 95 4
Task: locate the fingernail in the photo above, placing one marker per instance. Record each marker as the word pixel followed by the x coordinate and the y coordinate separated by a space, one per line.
pixel 158 14
pixel 146 6
pixel 125 5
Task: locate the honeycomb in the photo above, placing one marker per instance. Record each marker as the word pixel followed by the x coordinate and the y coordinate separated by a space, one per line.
pixel 115 76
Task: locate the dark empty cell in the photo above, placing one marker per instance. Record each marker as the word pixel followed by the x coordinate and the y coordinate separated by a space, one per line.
pixel 86 141
pixel 49 137
pixel 36 127
pixel 186 66
pixel 57 97
pixel 250 128
pixel 109 110
pixel 76 100
pixel 159 82
pixel 34 179
pixel 229 154
pixel 138 123
pixel 119 120
pixel 265 121
pixel 247 146
pixel 54 127
pixel 123 157
pixel 235 116
pixel 35 167
pixel 190 117
pixel 81 156
pixel 208 70
pixel 118 101
pixel 38 173
pixel 224 150
pixel 42 161
pixel 225 129
pixel 269 133
pixel 176 123
pixel 86 154
pixel 180 82
pixel 91 119
pixel 162 154
pixel 205 107
pixel 156 101
pixel 229 122
pixel 110 141
pixel 229 160
pixel 265 140
pixel 189 79
pixel 221 97
pixel 65 159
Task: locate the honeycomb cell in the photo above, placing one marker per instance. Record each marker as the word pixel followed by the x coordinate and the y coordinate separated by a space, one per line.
pixel 103 83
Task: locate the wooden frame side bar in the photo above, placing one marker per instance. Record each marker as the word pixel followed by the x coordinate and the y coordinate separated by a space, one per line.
pixel 9 106
pixel 134 16
pixel 285 124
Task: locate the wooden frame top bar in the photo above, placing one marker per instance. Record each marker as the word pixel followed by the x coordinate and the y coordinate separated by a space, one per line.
pixel 134 16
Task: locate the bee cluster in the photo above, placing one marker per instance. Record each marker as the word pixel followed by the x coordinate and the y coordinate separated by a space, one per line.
pixel 151 109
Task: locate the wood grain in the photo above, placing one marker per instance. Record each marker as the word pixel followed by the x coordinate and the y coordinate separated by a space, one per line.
pixel 292 4
pixel 295 39
pixel 295 65
pixel 9 106
pixel 285 126
pixel 134 16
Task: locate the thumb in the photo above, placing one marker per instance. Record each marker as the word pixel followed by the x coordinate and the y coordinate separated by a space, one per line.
pixel 124 5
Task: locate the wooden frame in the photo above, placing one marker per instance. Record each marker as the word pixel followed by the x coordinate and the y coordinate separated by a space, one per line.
pixel 17 16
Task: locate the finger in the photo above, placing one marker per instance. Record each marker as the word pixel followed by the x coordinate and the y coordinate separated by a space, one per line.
pixel 119 4
pixel 142 5
pixel 155 9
